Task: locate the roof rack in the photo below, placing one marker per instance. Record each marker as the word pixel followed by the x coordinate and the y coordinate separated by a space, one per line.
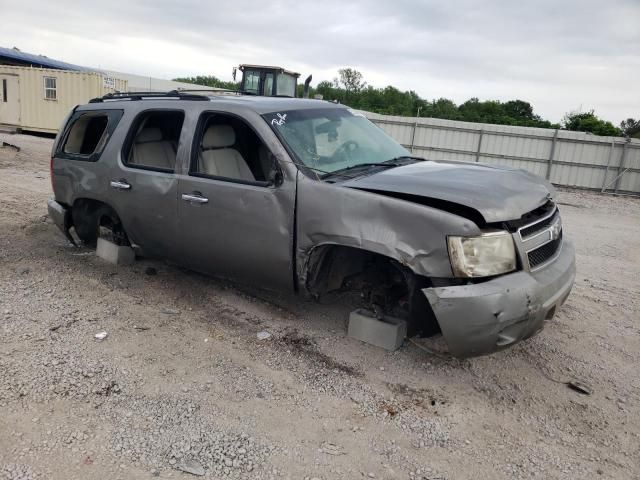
pixel 212 89
pixel 140 95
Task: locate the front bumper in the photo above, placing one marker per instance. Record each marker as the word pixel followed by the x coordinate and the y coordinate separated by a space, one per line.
pixel 485 317
pixel 61 216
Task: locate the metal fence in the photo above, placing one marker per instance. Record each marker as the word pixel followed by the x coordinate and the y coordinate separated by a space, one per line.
pixel 573 159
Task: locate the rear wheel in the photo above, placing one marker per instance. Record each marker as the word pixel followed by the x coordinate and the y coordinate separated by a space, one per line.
pixel 92 219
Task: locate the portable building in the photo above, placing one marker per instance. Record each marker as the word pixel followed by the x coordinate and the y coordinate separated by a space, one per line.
pixel 37 92
pixel 38 99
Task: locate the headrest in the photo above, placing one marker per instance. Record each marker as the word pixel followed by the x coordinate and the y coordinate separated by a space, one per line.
pixel 219 136
pixel 149 135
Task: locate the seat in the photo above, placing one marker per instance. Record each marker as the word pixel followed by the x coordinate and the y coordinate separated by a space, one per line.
pixel 150 150
pixel 218 159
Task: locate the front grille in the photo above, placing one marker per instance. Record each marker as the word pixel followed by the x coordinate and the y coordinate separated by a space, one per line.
pixel 538 227
pixel 542 254
pixel 532 217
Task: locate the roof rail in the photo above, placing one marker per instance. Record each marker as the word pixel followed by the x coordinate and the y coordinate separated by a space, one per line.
pixel 212 89
pixel 141 95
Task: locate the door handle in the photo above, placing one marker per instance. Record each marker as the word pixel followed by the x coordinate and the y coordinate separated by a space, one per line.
pixel 194 198
pixel 120 185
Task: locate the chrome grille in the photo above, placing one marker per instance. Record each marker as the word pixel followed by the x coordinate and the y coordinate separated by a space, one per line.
pixel 539 241
pixel 531 230
pixel 541 255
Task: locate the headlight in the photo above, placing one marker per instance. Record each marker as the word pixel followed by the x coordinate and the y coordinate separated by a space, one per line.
pixel 489 254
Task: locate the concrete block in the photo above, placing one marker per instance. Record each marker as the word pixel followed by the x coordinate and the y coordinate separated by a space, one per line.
pixel 388 333
pixel 116 254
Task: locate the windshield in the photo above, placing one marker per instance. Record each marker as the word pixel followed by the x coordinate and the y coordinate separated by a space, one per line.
pixel 331 139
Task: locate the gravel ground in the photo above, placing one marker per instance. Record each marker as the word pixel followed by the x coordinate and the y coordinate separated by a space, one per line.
pixel 182 383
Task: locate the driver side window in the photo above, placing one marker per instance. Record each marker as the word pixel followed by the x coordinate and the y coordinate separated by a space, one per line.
pixel 228 149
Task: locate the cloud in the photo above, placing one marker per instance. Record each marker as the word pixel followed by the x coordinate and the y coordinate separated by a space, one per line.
pixel 559 55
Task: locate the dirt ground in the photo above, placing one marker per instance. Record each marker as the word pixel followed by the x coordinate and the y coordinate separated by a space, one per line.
pixel 183 382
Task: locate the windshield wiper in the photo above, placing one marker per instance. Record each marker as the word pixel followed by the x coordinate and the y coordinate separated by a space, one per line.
pixel 406 157
pixel 394 162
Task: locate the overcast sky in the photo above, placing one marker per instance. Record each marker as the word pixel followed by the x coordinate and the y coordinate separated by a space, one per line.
pixel 560 55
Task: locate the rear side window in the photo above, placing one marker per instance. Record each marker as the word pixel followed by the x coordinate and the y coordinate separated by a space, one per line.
pixel 152 143
pixel 87 134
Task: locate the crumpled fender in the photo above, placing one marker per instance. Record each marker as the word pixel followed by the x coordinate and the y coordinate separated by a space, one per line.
pixel 412 234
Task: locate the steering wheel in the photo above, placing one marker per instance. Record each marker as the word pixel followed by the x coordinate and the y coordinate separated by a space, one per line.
pixel 346 150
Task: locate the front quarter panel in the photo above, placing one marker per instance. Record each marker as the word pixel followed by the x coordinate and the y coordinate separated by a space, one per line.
pixel 413 234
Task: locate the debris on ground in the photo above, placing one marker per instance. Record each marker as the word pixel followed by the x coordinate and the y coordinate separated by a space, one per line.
pixel 580 387
pixel 331 449
pixel 101 335
pixel 170 311
pixel 192 467
pixel 263 335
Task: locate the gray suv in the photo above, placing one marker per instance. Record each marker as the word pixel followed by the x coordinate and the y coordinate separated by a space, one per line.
pixel 309 196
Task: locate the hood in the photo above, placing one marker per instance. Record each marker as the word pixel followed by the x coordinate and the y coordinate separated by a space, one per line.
pixel 498 194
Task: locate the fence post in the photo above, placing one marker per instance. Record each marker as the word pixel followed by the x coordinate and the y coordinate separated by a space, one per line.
pixel 553 151
pixel 606 170
pixel 413 135
pixel 621 166
pixel 479 145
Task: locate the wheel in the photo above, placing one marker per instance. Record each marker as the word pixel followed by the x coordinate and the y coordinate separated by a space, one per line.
pixel 90 217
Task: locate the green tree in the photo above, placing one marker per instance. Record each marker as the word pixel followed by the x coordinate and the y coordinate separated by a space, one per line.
pixel 209 81
pixel 630 127
pixel 589 122
pixel 351 90
pixel 351 80
pixel 519 109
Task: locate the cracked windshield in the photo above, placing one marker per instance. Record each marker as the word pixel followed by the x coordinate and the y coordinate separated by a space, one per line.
pixel 330 140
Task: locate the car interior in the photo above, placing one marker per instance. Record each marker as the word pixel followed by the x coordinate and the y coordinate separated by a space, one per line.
pixel 229 148
pixel 156 140
pixel 85 134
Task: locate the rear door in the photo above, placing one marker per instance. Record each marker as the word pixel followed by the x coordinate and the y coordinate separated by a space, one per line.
pixel 236 225
pixel 143 183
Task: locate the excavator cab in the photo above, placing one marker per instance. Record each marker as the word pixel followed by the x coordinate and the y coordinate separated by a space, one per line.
pixel 268 81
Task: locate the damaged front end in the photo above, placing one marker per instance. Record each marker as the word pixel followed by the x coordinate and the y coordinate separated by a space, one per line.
pixel 514 275
pixel 481 318
pixel 484 316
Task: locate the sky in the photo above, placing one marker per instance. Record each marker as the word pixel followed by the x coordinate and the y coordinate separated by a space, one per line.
pixel 559 55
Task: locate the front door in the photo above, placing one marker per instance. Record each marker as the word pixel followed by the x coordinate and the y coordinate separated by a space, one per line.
pixel 9 100
pixel 235 218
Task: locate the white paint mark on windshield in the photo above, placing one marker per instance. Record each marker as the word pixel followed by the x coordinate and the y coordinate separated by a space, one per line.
pixel 281 120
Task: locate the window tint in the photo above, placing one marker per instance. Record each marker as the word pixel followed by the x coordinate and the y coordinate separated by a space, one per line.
pixel 228 148
pixel 86 133
pixel 153 140
pixel 50 88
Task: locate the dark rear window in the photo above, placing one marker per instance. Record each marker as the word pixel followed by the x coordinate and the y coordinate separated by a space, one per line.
pixel 87 134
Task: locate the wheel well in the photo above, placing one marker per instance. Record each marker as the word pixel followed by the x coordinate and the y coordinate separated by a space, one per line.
pixel 385 283
pixel 93 218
